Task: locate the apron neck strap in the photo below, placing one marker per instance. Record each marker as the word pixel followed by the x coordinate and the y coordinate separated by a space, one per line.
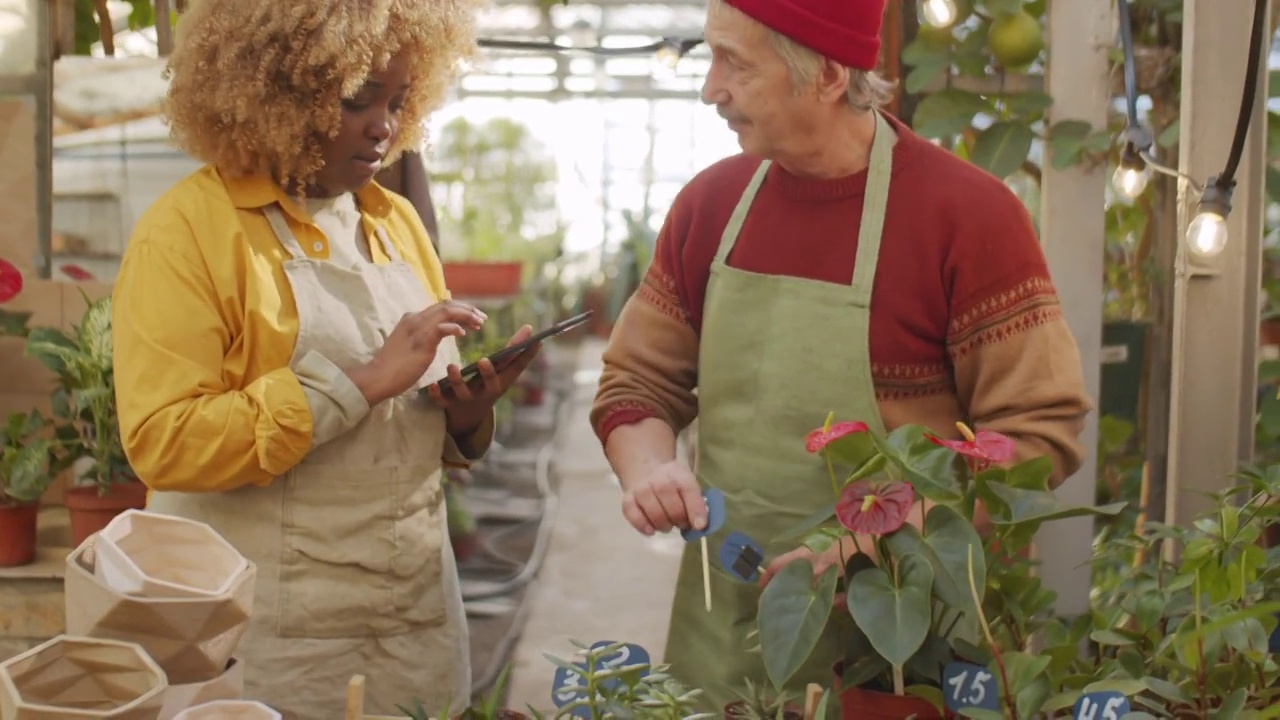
pixel 874 204
pixel 280 227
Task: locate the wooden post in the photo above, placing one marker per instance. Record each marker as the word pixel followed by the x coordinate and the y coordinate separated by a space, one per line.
pixel 164 31
pixel 1215 333
pixel 891 52
pixel 1073 231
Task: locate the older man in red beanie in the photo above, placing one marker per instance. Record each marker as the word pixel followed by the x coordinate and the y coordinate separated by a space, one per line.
pixel 840 263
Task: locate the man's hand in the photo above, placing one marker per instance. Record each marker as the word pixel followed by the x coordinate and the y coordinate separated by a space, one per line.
pixel 835 555
pixel 666 497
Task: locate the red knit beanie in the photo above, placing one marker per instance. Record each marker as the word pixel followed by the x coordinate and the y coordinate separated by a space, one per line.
pixel 847 31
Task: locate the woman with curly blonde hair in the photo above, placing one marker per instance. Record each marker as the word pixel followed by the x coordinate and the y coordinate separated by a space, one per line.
pixel 281 323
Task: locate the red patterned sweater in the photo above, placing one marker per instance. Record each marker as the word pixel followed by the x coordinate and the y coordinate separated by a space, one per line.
pixel 965 322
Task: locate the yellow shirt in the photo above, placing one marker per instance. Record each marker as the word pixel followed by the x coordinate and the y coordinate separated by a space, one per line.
pixel 204 326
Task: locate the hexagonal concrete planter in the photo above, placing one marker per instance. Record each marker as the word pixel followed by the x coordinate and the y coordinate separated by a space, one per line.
pixel 157 555
pixel 229 710
pixel 227 686
pixel 77 677
pixel 191 638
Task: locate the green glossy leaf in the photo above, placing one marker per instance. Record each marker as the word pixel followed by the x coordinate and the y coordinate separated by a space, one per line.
pixel 893 611
pixel 946 543
pixel 1002 148
pixel 925 72
pixel 1029 105
pixel 934 471
pixel 1066 142
pixel 1032 474
pixel 853 451
pixel 1034 506
pixel 793 613
pixel 944 114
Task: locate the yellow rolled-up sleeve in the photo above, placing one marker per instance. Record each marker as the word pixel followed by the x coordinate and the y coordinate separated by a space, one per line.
pixel 182 426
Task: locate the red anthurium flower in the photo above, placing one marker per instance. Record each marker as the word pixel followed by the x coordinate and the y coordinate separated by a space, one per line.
pixel 823 436
pixel 868 507
pixel 10 281
pixel 982 449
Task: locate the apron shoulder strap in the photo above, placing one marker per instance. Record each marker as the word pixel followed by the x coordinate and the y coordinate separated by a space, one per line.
pixel 739 216
pixel 280 227
pixel 874 206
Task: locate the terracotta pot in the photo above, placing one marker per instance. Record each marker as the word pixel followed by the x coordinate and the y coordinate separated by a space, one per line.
pixel 90 513
pixel 858 703
pixel 482 279
pixel 18 533
pixel 737 710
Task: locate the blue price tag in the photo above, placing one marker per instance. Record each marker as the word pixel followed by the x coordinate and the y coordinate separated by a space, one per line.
pixel 1274 644
pixel 965 685
pixel 741 557
pixel 568 686
pixel 715 516
pixel 1104 705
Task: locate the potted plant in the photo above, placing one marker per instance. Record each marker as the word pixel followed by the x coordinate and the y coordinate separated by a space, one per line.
pixel 920 598
pixel 1185 623
pixel 29 460
pixel 85 398
pixel 758 703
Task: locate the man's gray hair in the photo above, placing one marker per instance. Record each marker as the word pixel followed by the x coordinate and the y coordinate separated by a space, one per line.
pixel 867 90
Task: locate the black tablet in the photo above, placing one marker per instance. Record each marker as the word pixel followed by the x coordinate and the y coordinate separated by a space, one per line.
pixel 500 358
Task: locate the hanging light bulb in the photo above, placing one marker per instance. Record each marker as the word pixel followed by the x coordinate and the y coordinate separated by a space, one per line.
pixel 1207 233
pixel 1132 176
pixel 939 13
pixel 668 57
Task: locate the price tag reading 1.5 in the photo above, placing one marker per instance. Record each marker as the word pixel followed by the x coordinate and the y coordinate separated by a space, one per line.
pixel 1103 705
pixel 965 685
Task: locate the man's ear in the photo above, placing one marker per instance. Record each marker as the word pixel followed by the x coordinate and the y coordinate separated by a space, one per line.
pixel 832 82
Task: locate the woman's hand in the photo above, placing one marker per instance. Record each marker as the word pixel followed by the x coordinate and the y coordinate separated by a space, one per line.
pixel 467 404
pixel 411 348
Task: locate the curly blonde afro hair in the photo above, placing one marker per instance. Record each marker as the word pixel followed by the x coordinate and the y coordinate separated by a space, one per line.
pixel 255 85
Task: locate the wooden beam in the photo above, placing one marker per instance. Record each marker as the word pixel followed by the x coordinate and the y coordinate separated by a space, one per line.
pixel 164 30
pixel 1073 229
pixel 1213 395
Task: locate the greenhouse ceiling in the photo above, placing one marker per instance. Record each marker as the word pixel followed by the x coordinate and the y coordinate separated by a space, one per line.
pixel 544 72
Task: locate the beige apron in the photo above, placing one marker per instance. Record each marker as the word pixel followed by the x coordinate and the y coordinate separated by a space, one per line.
pixel 355 571
pixel 777 353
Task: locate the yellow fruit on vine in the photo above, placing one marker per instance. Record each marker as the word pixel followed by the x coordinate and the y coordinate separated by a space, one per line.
pixel 1015 39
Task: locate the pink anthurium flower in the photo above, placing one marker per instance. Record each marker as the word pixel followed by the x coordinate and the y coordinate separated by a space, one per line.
pixel 10 281
pixel 818 439
pixel 874 508
pixel 981 449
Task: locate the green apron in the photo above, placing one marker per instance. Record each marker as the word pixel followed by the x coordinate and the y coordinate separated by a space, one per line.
pixel 777 354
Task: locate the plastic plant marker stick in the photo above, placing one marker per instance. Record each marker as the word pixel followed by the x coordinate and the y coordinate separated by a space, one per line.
pixel 706 574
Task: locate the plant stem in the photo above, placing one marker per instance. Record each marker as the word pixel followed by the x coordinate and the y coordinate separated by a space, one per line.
pixel 986 630
pixel 831 471
pixel 1200 672
pixel 899 682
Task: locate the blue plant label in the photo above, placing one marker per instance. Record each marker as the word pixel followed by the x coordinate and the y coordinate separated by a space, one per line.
pixel 568 686
pixel 715 516
pixel 626 655
pixel 1274 644
pixel 741 557
pixel 1103 705
pixel 965 685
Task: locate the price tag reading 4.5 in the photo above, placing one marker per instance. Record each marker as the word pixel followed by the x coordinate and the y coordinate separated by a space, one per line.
pixel 1104 705
pixel 965 685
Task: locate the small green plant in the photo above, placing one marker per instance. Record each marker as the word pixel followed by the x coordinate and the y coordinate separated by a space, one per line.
pixel 30 457
pixel 636 691
pixel 758 702
pixel 491 707
pixel 85 395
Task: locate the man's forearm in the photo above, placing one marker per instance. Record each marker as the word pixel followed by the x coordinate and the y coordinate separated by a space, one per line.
pixel 635 449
